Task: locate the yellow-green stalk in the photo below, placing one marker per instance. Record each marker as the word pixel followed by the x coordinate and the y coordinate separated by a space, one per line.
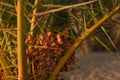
pixel 33 20
pixel 22 61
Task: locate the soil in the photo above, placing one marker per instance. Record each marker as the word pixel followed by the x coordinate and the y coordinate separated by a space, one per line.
pixel 95 66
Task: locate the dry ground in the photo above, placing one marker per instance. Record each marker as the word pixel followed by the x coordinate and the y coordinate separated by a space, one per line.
pixel 96 66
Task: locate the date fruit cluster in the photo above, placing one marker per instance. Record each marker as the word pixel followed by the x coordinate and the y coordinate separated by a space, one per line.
pixel 46 50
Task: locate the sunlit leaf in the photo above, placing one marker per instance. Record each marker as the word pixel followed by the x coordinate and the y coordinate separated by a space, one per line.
pixel 116 18
pixel 6 4
pixel 105 46
pixel 109 38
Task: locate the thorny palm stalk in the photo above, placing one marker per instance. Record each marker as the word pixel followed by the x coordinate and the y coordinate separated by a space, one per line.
pixel 78 41
pixel 22 67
